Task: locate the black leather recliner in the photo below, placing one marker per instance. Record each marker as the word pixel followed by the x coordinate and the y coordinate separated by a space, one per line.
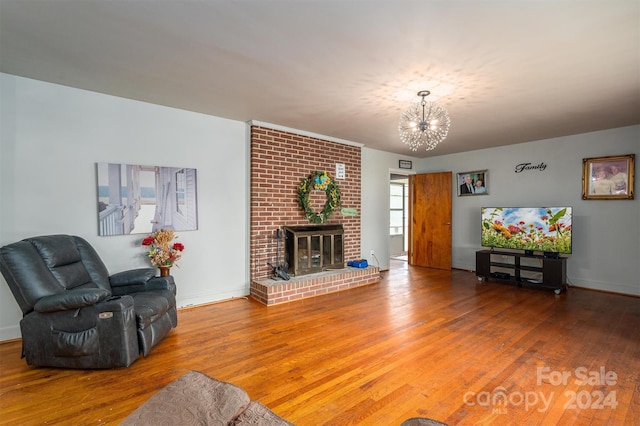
pixel 77 316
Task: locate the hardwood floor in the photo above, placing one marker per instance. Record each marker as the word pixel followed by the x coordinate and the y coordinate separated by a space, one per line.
pixel 421 342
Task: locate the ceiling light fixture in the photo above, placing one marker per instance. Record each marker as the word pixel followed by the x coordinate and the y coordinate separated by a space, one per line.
pixel 426 123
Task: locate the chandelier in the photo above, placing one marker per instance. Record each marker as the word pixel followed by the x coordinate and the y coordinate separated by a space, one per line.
pixel 426 123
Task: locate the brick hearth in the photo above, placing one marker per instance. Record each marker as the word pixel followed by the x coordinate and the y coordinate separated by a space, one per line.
pixel 272 292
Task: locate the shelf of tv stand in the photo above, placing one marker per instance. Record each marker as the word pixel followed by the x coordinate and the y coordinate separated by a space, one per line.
pixel 553 269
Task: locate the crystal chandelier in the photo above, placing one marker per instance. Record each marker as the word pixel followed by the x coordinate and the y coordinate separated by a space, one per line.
pixel 426 123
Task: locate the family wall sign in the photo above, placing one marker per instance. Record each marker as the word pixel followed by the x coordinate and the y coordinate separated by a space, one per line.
pixel 528 166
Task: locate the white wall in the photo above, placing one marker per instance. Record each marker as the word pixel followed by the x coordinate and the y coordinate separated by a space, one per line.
pixel 606 234
pixel 51 138
pixel 376 169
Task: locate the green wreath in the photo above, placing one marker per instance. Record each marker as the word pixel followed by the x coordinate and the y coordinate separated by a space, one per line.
pixel 319 181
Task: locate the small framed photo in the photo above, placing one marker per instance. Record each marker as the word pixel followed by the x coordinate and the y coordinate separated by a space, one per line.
pixel 608 178
pixel 473 183
pixel 405 164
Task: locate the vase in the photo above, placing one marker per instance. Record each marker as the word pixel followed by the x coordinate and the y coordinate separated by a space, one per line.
pixel 165 271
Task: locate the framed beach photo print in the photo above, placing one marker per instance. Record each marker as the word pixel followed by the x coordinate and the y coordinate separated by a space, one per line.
pixel 608 178
pixel 473 183
pixel 137 199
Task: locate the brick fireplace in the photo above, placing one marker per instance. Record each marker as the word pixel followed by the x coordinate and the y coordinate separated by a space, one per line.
pixel 279 161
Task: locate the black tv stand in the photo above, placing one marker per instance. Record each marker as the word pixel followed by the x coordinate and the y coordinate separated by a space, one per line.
pixel 553 269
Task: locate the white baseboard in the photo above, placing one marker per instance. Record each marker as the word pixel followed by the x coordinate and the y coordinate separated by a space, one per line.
pixel 622 288
pixel 10 333
pixel 204 299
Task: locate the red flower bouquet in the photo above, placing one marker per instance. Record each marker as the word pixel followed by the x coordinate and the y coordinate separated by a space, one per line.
pixel 161 252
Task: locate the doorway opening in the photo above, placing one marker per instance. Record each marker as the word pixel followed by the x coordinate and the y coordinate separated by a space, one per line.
pixel 398 216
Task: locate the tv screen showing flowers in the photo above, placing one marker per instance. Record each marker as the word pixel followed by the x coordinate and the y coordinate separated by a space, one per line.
pixel 544 229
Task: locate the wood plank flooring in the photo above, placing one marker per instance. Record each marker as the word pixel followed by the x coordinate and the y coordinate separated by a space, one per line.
pixel 421 342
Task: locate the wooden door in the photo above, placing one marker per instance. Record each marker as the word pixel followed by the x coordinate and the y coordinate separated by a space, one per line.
pixel 430 225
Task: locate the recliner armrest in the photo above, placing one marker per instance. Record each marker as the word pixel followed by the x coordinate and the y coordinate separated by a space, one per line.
pixel 71 299
pixel 132 277
pixel 161 283
pixel 140 281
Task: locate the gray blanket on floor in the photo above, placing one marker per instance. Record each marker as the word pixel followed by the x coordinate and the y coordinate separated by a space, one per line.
pixel 197 399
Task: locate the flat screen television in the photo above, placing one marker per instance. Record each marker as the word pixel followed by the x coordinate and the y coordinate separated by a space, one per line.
pixel 543 229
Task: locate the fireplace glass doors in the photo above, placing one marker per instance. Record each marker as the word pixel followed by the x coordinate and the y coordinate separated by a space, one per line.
pixel 314 248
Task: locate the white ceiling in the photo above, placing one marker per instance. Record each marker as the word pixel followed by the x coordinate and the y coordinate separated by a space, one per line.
pixel 507 71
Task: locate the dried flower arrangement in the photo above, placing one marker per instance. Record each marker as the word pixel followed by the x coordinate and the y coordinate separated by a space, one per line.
pixel 161 250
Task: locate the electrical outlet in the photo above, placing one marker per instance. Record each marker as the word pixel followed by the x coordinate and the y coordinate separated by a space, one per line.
pixel 373 253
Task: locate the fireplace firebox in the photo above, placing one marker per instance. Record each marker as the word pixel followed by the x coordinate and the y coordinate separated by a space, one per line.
pixel 314 248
